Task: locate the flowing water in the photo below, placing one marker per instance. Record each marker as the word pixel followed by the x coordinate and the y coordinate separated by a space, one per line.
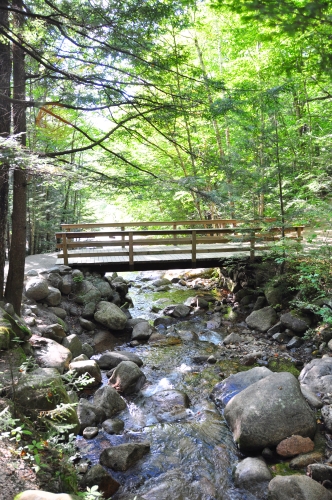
pixel 192 451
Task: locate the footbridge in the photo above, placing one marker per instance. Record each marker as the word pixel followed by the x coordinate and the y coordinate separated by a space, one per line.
pixel 148 245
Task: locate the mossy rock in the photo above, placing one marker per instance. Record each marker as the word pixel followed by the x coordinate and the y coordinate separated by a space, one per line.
pixel 15 324
pixel 6 335
pixel 283 365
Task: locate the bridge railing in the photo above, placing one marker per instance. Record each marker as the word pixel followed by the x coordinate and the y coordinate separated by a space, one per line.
pixel 131 243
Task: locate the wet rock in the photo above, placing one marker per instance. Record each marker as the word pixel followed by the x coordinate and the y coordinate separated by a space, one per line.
pixel 97 475
pixel 233 338
pixel 180 311
pixel 111 359
pixel 49 354
pixel 107 399
pixel 161 282
pixel 90 433
pixel 317 375
pixel 294 343
pixel 212 360
pixel 317 455
pixel 200 359
pixel 90 367
pixel 124 456
pixel 295 322
pixel 263 319
pixel 131 323
pixel 223 392
pixel 113 426
pixel 320 472
pixel 142 331
pixel 73 343
pixel 268 411
pixel 110 315
pixel 36 288
pixel 164 321
pixel 89 415
pixel 252 474
pixel 127 378
pixel 297 487
pixel 294 445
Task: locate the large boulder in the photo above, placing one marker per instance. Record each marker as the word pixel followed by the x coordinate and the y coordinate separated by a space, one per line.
pixel 317 375
pixel 54 296
pixel 263 319
pixel 109 401
pixel 85 292
pixel 127 378
pixel 297 487
pixel 105 289
pixel 296 322
pixel 36 288
pixel 123 456
pixel 50 354
pixel 11 326
pixel 268 411
pixel 111 359
pixel 223 392
pixel 110 315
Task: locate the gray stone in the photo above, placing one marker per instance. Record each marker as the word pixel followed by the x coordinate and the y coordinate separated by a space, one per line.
pixel 85 292
pixel 97 475
pixel 55 280
pixel 109 401
pixel 36 288
pixel 73 343
pixel 297 487
pixel 105 289
pixel 294 343
pixel 181 311
pixel 317 375
pixel 161 282
pixel 113 426
pixel 59 312
pixel 263 319
pixel 90 367
pixel 111 359
pixel 278 327
pixel 223 392
pixel 86 324
pixel 50 354
pixel 90 433
pixel 233 338
pixel 320 472
pixel 268 411
pixel 32 272
pixel 142 331
pixel 252 474
pixel 260 303
pixel 124 456
pixel 327 417
pixel 127 378
pixel 89 415
pixel 295 322
pixel 88 350
pixel 312 399
pixel 54 332
pixel 81 357
pixel 281 337
pixel 67 282
pixel 54 296
pixel 110 315
pixel 89 310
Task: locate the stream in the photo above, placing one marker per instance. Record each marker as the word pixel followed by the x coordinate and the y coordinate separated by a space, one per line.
pixel 192 451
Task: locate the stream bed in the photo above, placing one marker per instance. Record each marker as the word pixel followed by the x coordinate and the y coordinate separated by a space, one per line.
pixel 192 452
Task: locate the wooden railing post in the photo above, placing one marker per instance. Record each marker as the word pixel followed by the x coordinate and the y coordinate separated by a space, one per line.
pixel 252 246
pixel 131 251
pixel 65 249
pixel 193 247
pixel 123 236
pixel 174 228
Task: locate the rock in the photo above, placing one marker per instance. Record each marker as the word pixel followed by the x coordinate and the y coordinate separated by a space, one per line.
pixel 268 411
pixel 127 378
pixel 295 322
pixel 40 390
pixel 317 375
pixel 223 392
pixel 59 312
pixel 105 289
pixel 90 432
pixel 97 475
pixel 294 343
pixel 81 357
pixel 124 456
pixel 278 294
pixel 311 397
pixel 164 321
pixel 90 367
pixel 54 296
pixel 113 426
pixel 260 303
pixel 66 286
pixel 180 311
pixel 278 327
pixel 49 354
pixel 169 405
pixel 233 338
pixel 327 417
pixel 43 495
pixel 89 415
pixel 73 343
pixel 304 459
pixel 87 350
pixel 281 337
pixel 320 472
pixel 142 331
pixel 85 292
pixel 89 310
pixel 294 445
pixel 263 319
pixel 161 282
pixel 110 315
pixel 297 487
pixel 111 359
pixel 86 324
pixel 54 332
pixel 32 272
pixel 252 474
pixel 107 399
pixel 36 288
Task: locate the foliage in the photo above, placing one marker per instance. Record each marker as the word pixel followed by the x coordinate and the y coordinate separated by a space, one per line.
pixel 76 382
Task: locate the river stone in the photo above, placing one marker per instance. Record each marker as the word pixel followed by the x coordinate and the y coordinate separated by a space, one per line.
pixel 170 405
pixel 320 472
pixel 54 332
pixel 327 417
pixel 113 426
pixel 54 296
pixel 110 315
pixel 90 433
pixel 180 311
pixel 223 392
pixel 67 282
pixel 85 292
pixel 44 495
pixel 233 338
pixel 109 401
pixel 124 456
pixel 73 343
pixel 90 367
pixel 312 399
pixel 97 475
pixel 55 280
pixel 59 312
pixel 268 411
pixel 36 288
pixel 89 310
pixel 86 324
pixel 131 323
pixel 294 343
pixel 105 289
pixel 89 415
pixel 297 487
pixel 161 282
pixel 294 445
pixel 12 325
pixel 40 390
pixel 263 319
pixel 50 354
pixel 142 331
pixel 127 378
pixel 295 322
pixel 252 474
pixel 317 375
pixel 111 359
pixel 87 349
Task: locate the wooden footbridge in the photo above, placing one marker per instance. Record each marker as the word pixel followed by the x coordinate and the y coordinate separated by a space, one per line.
pixel 124 246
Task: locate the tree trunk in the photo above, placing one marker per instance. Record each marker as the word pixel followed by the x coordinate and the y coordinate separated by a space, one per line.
pixel 5 114
pixel 14 287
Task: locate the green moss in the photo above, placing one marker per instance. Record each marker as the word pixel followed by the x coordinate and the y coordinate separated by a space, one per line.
pixel 5 337
pixel 283 469
pixel 283 365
